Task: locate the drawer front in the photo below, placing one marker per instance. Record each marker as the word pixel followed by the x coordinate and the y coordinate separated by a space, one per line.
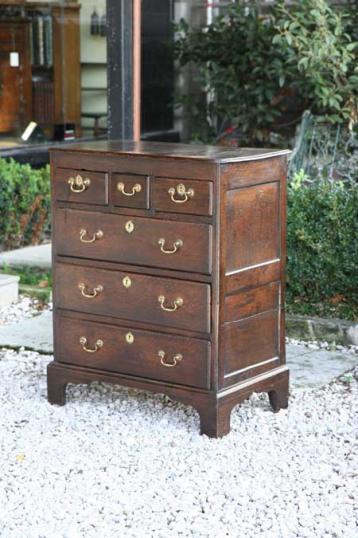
pixel 129 190
pixel 183 196
pixel 80 187
pixel 168 358
pixel 134 240
pixel 131 296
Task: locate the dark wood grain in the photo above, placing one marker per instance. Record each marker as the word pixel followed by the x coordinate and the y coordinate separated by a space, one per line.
pixel 249 173
pixel 251 302
pixel 189 152
pixel 141 247
pixel 139 302
pixel 95 194
pixel 229 274
pixel 154 271
pixel 138 358
pixel 214 408
pixel 252 216
pixel 200 203
pixel 251 341
pixel 253 276
pixel 159 167
pixel 133 198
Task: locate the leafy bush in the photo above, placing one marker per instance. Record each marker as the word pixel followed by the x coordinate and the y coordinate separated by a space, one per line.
pixel 320 57
pixel 322 246
pixel 263 71
pixel 24 204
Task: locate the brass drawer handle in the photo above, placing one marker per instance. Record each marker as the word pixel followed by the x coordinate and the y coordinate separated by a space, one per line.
pixel 78 184
pixel 98 345
pixel 176 246
pixel 95 236
pixel 181 191
pixel 175 359
pixel 177 304
pixel 136 188
pixel 91 295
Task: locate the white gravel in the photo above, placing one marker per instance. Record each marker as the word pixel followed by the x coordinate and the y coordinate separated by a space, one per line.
pixel 26 307
pixel 120 463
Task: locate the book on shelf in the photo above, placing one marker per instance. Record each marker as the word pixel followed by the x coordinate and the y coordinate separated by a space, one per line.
pixel 41 40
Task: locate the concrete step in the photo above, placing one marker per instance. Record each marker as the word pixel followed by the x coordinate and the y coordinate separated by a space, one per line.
pixel 9 289
pixel 38 256
pixel 34 333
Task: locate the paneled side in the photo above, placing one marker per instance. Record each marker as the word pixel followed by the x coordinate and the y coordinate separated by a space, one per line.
pixel 253 172
pixel 252 226
pixel 249 342
pixel 252 267
pixel 251 302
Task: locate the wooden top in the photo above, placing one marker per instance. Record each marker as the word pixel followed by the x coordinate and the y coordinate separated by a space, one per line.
pixel 220 154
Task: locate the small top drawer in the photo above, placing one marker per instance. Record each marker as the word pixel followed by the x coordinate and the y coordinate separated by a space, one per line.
pixel 80 187
pixel 183 196
pixel 130 190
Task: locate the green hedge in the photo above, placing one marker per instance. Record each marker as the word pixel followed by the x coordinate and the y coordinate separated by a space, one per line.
pixel 24 204
pixel 322 247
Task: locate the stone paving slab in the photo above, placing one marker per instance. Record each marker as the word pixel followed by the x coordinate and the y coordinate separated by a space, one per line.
pixel 312 368
pixel 308 368
pixel 9 289
pixel 34 333
pixel 36 256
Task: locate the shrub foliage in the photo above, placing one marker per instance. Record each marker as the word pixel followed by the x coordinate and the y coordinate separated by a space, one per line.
pixel 24 204
pixel 322 242
pixel 261 72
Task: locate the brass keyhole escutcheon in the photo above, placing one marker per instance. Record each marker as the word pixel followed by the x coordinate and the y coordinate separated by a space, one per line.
pixel 129 338
pixel 127 282
pixel 129 226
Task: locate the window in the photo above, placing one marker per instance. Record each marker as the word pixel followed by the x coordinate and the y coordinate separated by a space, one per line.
pixel 53 81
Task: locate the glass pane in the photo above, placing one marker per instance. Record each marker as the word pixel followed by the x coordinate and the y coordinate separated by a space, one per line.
pixel 93 68
pixel 53 82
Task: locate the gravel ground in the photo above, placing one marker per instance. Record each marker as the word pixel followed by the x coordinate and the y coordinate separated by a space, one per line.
pixel 26 307
pixel 115 462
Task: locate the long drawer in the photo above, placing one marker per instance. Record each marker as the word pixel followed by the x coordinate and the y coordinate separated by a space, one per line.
pixel 173 359
pixel 134 240
pixel 131 296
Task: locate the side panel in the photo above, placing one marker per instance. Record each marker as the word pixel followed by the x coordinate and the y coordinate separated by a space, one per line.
pixel 252 226
pixel 252 270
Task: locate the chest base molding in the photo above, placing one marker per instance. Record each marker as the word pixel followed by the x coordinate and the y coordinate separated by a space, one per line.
pixel 214 408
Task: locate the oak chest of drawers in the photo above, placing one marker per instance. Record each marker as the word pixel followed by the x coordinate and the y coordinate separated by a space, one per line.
pixel 169 265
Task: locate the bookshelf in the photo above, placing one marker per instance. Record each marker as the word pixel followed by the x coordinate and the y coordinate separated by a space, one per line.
pixel 46 87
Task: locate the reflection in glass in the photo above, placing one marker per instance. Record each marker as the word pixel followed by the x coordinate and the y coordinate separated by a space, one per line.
pixel 53 84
